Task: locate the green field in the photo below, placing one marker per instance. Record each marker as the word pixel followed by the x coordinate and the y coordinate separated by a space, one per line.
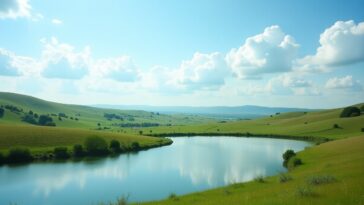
pixel 299 124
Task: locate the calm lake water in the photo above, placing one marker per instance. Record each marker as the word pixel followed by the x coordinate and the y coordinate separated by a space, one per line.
pixel 190 164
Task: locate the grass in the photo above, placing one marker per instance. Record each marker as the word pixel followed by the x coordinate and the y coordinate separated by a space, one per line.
pixel 317 124
pixel 44 139
pixel 343 159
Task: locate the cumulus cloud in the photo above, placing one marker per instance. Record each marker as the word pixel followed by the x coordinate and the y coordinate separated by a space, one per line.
pixel 203 71
pixel 15 9
pixel 346 82
pixel 60 60
pixel 269 52
pixel 341 44
pixel 57 21
pixel 6 64
pixel 121 69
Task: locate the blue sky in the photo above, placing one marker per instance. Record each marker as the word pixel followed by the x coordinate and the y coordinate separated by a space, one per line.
pixel 282 53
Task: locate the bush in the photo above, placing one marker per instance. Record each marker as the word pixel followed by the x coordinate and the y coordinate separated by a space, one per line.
pixel 305 191
pixel 45 120
pixel 362 129
pixel 115 146
pixel 19 154
pixel 284 178
pixel 78 150
pixel 135 146
pixel 173 196
pixel 2 111
pixel 350 112
pixel 336 126
pixel 61 153
pixel 287 155
pixel 259 179
pixel 29 119
pixel 296 161
pixel 362 108
pixel 96 146
pixel 323 179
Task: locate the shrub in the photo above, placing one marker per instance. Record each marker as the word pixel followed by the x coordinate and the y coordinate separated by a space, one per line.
pixel 323 179
pixel 115 146
pixel 19 154
pixel 362 129
pixel 2 111
pixel 350 112
pixel 173 196
pixel 78 150
pixel 96 145
pixel 336 126
pixel 305 191
pixel 284 178
pixel 29 119
pixel 362 108
pixel 61 153
pixel 135 146
pixel 259 179
pixel 45 120
pixel 296 161
pixel 287 155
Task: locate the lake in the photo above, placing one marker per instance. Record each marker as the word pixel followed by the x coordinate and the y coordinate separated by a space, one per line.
pixel 190 164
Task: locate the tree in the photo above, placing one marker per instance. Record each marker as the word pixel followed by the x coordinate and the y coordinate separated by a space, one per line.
pixel 30 112
pixel 78 150
pixel 96 145
pixel 115 146
pixel 61 153
pixel 287 155
pixel 362 108
pixel 46 120
pixel 29 119
pixel 135 146
pixel 2 111
pixel 350 112
pixel 19 154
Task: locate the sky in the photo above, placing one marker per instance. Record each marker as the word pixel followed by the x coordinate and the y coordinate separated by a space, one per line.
pixel 285 53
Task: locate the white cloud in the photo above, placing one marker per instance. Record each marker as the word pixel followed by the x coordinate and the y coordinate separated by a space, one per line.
pixel 57 21
pixel 341 44
pixel 6 67
pixel 203 71
pixel 269 52
pixel 121 69
pixel 346 82
pixel 59 60
pixel 15 9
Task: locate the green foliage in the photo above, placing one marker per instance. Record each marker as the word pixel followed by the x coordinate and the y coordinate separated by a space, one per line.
pixel 115 146
pixel 78 150
pixel 336 126
pixel 61 153
pixel 350 112
pixel 18 155
pixel 29 119
pixel 96 146
pixel 362 129
pixel 259 179
pixel 2 111
pixel 305 191
pixel 45 120
pixel 173 196
pixel 288 154
pixel 283 178
pixel 135 146
pixel 362 108
pixel 321 179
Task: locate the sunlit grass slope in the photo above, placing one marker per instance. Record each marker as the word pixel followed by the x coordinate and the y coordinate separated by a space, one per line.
pixel 43 139
pixel 316 124
pixel 341 160
pixel 88 117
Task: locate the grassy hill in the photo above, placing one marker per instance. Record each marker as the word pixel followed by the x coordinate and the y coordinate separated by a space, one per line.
pixel 314 124
pixel 87 117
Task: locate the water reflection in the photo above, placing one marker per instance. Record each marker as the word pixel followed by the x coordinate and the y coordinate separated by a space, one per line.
pixel 189 164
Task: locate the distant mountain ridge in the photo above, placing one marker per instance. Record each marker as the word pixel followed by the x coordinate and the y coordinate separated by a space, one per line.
pixel 246 111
